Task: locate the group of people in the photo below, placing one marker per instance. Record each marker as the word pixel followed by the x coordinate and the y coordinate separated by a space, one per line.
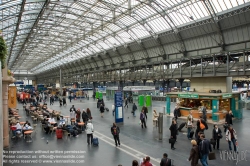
pixel 17 128
pixel 200 145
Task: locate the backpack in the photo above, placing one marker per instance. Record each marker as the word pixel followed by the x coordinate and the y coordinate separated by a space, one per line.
pixel 202 126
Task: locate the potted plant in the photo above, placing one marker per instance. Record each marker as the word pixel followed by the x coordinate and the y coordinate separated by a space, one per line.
pixel 3 51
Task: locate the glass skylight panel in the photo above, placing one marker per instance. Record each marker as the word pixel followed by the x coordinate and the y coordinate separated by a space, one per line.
pixel 9 4
pixel 127 20
pixel 144 11
pixel 139 31
pixel 158 24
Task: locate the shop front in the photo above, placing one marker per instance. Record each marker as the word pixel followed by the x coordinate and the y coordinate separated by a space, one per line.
pixel 216 104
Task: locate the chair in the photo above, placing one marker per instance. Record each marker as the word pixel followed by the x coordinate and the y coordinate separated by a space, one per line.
pixel 34 127
pixel 52 128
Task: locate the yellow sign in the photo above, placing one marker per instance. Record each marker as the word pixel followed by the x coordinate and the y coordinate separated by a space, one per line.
pixel 12 97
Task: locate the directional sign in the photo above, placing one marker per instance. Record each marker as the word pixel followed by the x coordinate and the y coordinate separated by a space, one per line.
pixel 118 99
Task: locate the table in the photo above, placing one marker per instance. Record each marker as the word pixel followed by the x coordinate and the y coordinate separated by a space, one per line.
pixel 28 133
pixel 81 124
pixel 21 123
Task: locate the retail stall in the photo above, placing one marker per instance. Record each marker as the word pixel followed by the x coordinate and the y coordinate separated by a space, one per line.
pixel 217 104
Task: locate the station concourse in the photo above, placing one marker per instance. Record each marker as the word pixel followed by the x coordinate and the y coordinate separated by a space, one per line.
pixel 136 143
pixel 199 49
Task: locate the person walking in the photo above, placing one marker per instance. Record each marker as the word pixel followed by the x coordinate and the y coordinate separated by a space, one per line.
pixel 102 110
pixel 145 111
pixel 165 161
pixel 84 118
pixel 72 117
pixel 176 112
pixel 231 137
pixel 201 126
pixel 142 118
pixel 204 149
pixel 134 108
pixel 115 131
pixel 135 163
pixel 189 128
pixel 72 109
pixel 89 131
pixel 228 120
pixel 204 113
pixel 194 154
pixel 173 131
pixel 126 103
pixel 89 113
pixel 155 118
pixel 78 115
pixel 216 136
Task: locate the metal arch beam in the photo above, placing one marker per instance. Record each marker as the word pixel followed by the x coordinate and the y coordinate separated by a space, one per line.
pixel 110 59
pixel 175 29
pixel 46 3
pixel 17 27
pixel 100 57
pixel 218 27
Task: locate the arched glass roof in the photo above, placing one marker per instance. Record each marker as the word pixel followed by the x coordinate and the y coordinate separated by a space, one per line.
pixel 43 34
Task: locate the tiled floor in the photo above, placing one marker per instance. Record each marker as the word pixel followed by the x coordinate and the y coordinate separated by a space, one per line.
pixel 135 142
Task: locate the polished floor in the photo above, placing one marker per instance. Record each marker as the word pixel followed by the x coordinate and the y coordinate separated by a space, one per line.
pixel 135 141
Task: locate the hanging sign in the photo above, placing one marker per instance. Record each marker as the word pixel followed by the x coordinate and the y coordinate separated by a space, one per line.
pixel 12 97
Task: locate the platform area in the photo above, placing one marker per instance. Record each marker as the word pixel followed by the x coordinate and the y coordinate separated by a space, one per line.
pixel 46 149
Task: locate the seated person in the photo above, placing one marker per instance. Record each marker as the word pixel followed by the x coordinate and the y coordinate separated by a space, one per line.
pixel 47 126
pixel 52 120
pixel 16 128
pixel 27 122
pixel 44 107
pixel 62 120
pixel 46 114
pixel 27 127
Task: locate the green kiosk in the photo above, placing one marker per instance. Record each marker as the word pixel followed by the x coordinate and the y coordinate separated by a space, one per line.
pixel 217 104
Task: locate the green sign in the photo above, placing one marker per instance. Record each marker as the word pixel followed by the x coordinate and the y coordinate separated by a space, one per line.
pixel 171 95
pixel 209 97
pixel 190 96
pixel 227 96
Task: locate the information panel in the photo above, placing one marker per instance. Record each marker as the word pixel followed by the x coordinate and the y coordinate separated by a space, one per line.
pixel 118 107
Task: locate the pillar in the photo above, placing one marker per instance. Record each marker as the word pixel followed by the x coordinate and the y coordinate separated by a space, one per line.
pixel 168 104
pixel 181 82
pixel 215 108
pixel 144 82
pixel 229 84
pixel 60 81
pixel 154 82
pixel 6 80
pixel 133 83
pixel 121 85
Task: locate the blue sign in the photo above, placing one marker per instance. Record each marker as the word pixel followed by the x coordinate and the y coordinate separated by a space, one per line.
pixel 118 99
pixel 118 107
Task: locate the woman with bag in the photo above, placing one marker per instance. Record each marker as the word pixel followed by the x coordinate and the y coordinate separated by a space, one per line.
pixel 194 154
pixel 216 136
pixel 173 130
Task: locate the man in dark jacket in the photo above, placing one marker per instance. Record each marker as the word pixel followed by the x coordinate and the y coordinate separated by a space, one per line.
pixel 115 130
pixel 228 120
pixel 165 161
pixel 72 109
pixel 204 149
pixel 176 113
pixel 173 131
pixel 85 118
pixel 134 109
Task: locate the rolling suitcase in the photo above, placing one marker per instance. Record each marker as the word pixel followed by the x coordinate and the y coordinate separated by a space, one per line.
pixel 59 133
pixel 191 134
pixel 181 126
pixel 106 109
pixel 95 142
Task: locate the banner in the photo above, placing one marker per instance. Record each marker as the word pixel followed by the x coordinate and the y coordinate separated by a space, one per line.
pixel 12 100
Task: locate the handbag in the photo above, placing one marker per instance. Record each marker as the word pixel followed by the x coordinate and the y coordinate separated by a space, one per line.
pixel 212 141
pixel 211 156
pixel 220 136
pixel 171 140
